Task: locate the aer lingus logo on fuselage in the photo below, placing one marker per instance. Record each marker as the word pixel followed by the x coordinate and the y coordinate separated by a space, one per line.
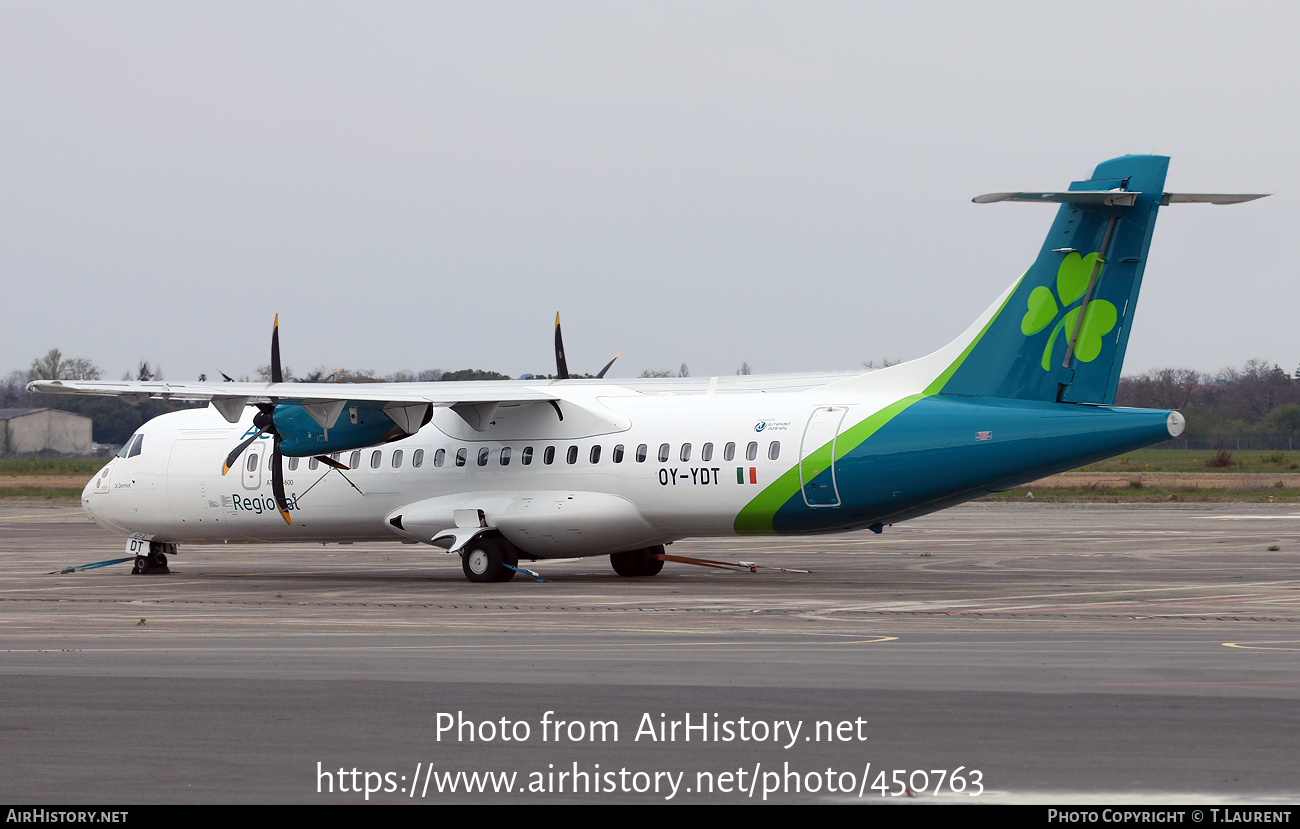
pixel 1071 284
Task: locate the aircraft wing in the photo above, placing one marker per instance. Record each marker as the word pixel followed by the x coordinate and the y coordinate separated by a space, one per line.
pixel 437 394
pixel 472 400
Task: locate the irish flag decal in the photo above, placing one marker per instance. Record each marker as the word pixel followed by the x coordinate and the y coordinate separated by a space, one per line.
pixel 740 475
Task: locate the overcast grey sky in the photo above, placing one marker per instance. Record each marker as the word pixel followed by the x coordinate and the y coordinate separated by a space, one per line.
pixel 423 185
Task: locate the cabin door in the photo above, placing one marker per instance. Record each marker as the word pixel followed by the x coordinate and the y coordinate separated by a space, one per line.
pixel 817 457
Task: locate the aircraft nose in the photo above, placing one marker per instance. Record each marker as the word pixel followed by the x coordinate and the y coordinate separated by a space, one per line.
pixel 92 495
pixel 87 499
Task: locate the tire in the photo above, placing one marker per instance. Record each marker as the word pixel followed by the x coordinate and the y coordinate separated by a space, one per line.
pixel 653 565
pixel 627 563
pixel 141 567
pixel 484 559
pixel 510 556
pixel 637 563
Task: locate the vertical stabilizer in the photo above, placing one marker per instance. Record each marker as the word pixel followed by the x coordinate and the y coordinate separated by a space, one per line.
pixel 1062 334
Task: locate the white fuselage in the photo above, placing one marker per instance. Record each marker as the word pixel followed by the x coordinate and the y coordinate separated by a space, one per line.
pixel 722 449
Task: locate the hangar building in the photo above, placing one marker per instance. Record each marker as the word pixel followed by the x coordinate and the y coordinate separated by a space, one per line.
pixel 44 430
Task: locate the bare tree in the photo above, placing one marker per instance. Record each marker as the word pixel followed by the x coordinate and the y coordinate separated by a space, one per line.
pixel 744 369
pixel 79 368
pixel 1163 388
pixel 13 392
pixel 53 367
pixel 264 374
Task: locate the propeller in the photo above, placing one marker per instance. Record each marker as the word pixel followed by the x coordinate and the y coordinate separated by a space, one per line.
pixel 264 420
pixel 561 365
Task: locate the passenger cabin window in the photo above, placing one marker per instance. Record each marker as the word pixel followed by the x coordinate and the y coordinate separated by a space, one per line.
pixel 663 453
pixel 505 456
pixel 751 451
pixel 460 456
pixel 526 457
pixel 595 454
pixel 311 464
pixel 417 460
pixel 641 452
pixel 354 462
pixel 483 456
pixel 685 454
pixel 729 452
pixel 774 450
pixel 439 457
pixel 293 464
pixel 618 453
pixel 252 462
pixel 572 455
pixel 375 458
pixel 397 458
pixel 706 452
pixel 548 457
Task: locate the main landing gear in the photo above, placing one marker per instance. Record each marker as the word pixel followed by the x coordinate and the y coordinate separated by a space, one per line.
pixel 486 559
pixel 155 563
pixel 642 562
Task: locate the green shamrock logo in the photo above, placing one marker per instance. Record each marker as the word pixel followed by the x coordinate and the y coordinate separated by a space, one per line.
pixel 1071 284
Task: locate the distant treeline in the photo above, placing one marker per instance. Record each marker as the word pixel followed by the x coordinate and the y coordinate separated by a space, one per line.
pixel 1254 407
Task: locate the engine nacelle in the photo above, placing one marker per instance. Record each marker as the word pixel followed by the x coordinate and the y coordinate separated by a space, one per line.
pixel 308 431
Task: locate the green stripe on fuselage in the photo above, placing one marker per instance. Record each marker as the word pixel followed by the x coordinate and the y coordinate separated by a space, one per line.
pixel 756 516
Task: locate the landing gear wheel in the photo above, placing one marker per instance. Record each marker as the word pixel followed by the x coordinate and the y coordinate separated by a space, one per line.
pixel 158 563
pixel 485 558
pixel 636 563
pixel 652 564
pixel 141 567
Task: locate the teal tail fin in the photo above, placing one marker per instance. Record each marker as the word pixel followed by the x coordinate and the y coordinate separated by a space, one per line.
pixel 1062 333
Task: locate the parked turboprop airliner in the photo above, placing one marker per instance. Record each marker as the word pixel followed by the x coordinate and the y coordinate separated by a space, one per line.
pixel 499 471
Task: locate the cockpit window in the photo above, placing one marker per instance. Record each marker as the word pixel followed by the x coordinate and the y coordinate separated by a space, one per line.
pixel 132 447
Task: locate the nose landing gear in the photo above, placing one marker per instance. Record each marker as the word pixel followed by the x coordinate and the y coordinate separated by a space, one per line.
pixel 155 563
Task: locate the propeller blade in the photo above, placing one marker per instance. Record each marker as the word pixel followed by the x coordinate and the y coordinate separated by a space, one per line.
pixel 239 450
pixel 561 366
pixel 607 365
pixel 277 482
pixel 328 461
pixel 228 378
pixel 277 376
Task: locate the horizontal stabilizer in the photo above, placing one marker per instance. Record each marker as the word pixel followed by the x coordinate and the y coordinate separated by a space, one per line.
pixel 1210 198
pixel 1093 198
pixel 1117 198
